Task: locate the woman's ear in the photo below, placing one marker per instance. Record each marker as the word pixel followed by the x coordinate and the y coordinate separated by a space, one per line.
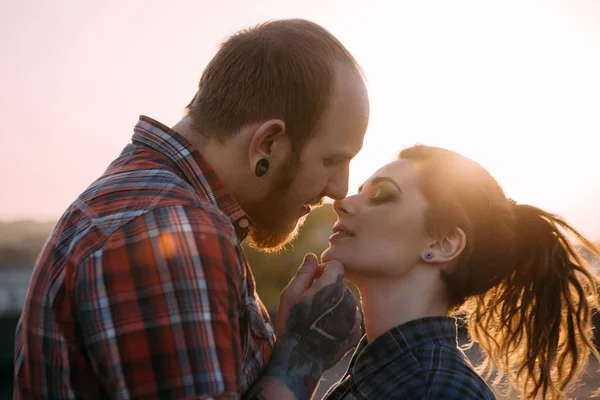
pixel 446 249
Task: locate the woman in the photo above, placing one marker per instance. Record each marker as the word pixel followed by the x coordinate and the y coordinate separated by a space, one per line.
pixel 431 237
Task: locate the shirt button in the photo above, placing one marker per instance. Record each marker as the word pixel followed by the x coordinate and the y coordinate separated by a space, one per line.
pixel 244 223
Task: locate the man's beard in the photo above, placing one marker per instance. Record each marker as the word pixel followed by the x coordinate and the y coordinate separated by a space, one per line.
pixel 273 226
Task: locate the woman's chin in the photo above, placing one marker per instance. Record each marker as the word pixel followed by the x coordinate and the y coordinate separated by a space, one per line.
pixel 328 255
pixel 333 253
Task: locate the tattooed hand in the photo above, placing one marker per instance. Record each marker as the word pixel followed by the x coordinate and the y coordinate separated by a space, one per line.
pixel 324 322
pixel 317 323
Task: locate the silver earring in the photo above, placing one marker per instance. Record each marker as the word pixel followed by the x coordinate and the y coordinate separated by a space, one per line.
pixel 428 255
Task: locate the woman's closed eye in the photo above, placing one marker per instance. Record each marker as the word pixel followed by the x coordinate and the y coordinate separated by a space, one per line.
pixel 381 193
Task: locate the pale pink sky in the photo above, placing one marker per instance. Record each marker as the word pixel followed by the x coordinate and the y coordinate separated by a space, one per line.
pixel 514 85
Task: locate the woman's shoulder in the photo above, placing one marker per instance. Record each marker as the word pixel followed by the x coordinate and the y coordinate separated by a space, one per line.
pixel 433 371
pixel 448 374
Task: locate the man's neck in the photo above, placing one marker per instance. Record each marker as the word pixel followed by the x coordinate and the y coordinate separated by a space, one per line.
pixel 221 157
pixel 185 128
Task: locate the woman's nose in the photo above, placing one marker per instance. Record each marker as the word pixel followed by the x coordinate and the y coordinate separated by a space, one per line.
pixel 344 206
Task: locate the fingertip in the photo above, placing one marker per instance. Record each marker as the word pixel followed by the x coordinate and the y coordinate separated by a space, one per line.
pixel 310 258
pixel 313 258
pixel 333 272
pixel 308 266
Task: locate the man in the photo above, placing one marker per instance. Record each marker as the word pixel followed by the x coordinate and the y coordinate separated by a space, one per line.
pixel 143 291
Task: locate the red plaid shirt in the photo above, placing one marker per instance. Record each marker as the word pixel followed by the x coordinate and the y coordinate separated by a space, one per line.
pixel 142 289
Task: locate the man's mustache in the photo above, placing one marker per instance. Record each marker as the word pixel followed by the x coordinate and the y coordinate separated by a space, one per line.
pixel 317 203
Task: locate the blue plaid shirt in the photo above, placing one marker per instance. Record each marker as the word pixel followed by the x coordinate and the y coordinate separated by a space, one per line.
pixel 416 360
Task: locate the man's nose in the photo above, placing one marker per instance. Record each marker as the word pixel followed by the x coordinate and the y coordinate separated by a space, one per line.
pixel 337 188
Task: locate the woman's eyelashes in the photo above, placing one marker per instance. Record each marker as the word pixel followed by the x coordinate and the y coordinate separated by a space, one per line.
pixel 381 193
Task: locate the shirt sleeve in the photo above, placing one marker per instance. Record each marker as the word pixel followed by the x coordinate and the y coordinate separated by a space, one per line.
pixel 158 307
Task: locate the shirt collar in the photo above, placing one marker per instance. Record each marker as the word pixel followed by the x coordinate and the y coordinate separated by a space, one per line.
pixel 370 357
pixel 195 168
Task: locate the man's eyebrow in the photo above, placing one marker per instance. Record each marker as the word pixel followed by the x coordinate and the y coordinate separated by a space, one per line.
pixel 380 179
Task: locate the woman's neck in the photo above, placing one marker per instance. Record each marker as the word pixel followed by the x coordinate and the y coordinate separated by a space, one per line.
pixel 387 303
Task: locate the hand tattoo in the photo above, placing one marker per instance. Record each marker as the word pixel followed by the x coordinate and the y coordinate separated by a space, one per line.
pixel 322 323
pixel 319 331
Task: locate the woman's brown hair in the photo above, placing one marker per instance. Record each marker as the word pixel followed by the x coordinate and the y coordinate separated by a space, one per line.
pixel 526 294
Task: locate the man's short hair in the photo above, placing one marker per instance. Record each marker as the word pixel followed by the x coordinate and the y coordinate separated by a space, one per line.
pixel 282 69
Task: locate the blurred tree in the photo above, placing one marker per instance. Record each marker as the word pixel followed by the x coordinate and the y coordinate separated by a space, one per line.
pixel 273 271
pixel 21 241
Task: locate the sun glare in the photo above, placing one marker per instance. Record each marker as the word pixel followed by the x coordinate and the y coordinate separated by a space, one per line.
pixel 514 91
pixel 514 85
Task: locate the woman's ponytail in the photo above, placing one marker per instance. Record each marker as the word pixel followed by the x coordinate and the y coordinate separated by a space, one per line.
pixel 536 325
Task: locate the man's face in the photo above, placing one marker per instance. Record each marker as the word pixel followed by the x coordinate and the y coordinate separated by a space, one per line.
pixel 321 169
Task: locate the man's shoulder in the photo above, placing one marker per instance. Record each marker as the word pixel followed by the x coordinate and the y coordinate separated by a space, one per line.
pixel 130 190
pixel 127 193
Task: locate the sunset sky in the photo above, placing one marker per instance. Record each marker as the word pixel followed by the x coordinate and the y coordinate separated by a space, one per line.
pixel 514 85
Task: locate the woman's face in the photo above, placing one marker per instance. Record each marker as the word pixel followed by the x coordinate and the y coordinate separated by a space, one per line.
pixel 381 231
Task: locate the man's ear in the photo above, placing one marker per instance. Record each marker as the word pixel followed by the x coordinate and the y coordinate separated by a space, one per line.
pixel 269 141
pixel 446 249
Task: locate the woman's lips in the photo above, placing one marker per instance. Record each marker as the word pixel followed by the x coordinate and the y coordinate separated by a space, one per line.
pixel 341 231
pixel 339 235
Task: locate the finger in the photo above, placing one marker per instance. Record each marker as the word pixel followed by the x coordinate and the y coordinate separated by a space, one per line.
pixel 320 269
pixel 333 271
pixel 304 276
